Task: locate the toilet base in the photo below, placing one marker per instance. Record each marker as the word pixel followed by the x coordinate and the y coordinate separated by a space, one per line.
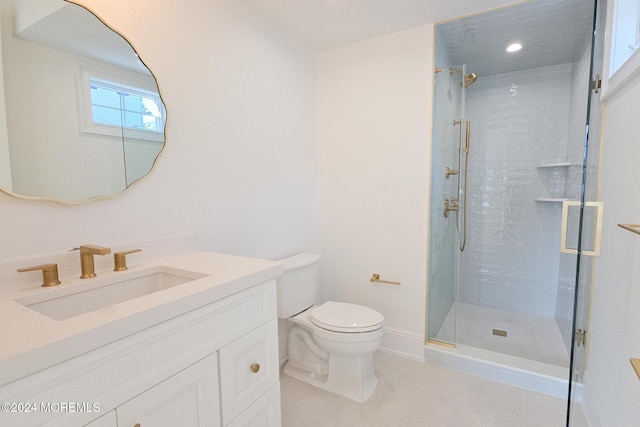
pixel 349 376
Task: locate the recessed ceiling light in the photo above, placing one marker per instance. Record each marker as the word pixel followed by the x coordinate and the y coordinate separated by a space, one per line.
pixel 514 47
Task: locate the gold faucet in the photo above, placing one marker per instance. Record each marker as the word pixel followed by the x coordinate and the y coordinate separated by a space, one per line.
pixel 49 273
pixel 86 259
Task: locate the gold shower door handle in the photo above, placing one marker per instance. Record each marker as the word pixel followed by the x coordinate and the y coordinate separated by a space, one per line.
pixel 598 227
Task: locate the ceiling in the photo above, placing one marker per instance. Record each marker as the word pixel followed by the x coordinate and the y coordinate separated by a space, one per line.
pixel 325 24
pixel 551 31
pixel 72 28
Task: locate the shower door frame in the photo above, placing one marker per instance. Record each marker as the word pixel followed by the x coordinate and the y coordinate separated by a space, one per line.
pixel 455 122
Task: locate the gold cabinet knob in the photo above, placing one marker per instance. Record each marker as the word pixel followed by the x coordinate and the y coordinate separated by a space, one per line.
pixel 137 425
pixel 255 367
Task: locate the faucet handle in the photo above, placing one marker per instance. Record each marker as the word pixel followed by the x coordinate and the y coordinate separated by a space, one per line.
pixel 49 273
pixel 120 259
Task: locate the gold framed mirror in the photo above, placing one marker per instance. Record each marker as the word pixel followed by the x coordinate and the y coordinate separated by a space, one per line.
pixel 82 116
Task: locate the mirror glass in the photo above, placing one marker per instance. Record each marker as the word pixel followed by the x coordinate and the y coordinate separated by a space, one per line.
pixel 81 115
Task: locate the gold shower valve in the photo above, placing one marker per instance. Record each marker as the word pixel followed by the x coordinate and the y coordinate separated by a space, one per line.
pixel 450 205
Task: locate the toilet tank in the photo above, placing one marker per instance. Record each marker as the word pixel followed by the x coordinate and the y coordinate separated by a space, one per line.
pixel 298 287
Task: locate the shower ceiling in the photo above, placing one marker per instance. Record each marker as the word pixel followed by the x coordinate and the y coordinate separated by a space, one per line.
pixel 550 31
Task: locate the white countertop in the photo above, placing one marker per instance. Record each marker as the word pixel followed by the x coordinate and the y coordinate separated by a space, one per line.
pixel 31 341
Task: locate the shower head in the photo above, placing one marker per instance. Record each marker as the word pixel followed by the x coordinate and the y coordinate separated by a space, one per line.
pixel 467 79
pixel 470 79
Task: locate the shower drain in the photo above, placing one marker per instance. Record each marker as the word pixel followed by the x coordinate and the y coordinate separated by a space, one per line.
pixel 499 333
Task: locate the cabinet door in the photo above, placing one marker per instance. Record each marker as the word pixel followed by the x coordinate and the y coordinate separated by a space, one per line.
pixel 263 413
pixel 248 369
pixel 190 398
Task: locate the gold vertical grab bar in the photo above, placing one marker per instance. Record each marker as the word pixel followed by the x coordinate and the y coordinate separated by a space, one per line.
pixel 464 196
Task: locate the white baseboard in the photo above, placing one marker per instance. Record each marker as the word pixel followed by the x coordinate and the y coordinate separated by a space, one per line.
pixel 394 341
pixel 590 405
pixel 403 344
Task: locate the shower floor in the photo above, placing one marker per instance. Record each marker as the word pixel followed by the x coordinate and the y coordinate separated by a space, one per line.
pixel 528 336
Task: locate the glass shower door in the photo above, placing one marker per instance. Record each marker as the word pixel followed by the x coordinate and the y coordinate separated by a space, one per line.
pixel 590 222
pixel 446 181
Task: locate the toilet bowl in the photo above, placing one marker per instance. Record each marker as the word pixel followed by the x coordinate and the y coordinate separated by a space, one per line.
pixel 330 345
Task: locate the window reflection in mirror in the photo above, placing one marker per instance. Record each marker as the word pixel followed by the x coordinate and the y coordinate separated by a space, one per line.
pixel 57 141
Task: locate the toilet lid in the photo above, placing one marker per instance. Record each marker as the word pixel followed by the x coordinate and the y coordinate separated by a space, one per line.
pixel 344 317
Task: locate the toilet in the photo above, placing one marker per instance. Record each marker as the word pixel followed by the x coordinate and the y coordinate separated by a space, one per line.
pixel 330 345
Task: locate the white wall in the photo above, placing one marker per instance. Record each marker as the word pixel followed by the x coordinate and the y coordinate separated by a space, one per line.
pixel 5 164
pixel 374 114
pixel 615 322
pixel 239 169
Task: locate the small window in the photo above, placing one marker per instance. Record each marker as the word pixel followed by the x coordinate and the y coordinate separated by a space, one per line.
pixel 116 106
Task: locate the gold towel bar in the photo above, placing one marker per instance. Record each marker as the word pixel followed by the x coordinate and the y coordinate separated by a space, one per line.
pixel 376 278
pixel 636 365
pixel 634 228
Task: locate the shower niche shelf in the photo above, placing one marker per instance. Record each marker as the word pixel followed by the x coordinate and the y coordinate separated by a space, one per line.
pixel 553 165
pixel 550 199
pixel 557 169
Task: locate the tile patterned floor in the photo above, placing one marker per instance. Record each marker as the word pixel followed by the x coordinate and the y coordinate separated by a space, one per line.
pixel 412 393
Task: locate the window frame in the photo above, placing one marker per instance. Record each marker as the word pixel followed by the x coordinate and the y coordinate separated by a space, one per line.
pixel 614 79
pixel 128 81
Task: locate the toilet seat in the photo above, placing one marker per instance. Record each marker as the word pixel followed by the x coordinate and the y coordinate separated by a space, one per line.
pixel 346 318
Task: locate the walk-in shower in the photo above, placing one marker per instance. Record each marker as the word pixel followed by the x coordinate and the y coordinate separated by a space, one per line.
pixel 515 143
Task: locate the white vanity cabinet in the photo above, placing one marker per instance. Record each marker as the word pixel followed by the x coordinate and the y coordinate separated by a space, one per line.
pixel 189 398
pixel 108 420
pixel 249 369
pixel 216 365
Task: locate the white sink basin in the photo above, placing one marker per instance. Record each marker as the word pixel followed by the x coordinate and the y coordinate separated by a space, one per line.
pixel 90 295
